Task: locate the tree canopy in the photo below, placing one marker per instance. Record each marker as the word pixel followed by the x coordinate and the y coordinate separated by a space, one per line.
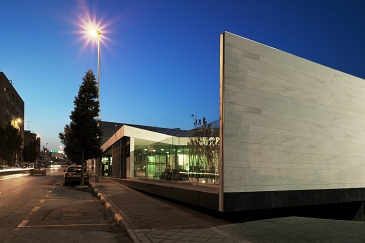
pixel 10 142
pixel 82 137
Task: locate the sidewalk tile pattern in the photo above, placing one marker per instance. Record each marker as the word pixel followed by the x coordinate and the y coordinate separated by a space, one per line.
pixel 147 219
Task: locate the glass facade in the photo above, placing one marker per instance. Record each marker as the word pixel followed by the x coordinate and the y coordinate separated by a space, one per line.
pixel 106 166
pixel 167 161
pixel 191 157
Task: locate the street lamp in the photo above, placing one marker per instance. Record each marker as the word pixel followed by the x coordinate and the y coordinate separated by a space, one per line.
pixel 16 122
pixel 19 120
pixel 38 148
pixel 97 33
pixel 46 155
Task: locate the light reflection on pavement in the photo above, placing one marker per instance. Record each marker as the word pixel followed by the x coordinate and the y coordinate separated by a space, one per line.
pixel 7 177
pixel 13 169
pixel 18 172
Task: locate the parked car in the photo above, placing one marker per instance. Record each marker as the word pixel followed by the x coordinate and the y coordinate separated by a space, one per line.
pixel 175 174
pixel 73 175
pixel 38 169
pixel 25 165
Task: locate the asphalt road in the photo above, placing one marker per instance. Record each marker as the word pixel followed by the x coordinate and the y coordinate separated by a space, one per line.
pixel 42 209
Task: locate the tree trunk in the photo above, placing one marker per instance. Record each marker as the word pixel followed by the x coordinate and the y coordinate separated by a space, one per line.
pixel 82 168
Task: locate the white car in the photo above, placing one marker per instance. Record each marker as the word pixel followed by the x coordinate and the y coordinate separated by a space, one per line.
pixel 73 175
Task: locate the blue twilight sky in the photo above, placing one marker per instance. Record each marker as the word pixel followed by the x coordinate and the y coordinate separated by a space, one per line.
pixel 159 58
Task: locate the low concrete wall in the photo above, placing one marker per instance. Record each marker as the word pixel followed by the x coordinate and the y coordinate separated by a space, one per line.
pixel 199 196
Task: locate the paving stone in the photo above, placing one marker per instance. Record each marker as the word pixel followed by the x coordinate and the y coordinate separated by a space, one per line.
pixel 152 220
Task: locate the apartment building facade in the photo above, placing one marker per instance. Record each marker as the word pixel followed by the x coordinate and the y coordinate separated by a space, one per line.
pixel 11 107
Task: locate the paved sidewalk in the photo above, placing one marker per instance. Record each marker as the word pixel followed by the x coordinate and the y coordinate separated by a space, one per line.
pixel 146 219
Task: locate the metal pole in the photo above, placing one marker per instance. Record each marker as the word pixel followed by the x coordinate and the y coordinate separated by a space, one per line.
pixel 98 165
pixel 98 68
pixel 46 155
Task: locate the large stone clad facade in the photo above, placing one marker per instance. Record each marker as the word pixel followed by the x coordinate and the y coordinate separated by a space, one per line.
pixel 288 123
pixel 291 139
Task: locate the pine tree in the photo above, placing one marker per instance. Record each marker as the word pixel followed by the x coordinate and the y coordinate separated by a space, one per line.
pixel 82 137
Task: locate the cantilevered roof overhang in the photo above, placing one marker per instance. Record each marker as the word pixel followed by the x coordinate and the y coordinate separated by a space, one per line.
pixel 141 137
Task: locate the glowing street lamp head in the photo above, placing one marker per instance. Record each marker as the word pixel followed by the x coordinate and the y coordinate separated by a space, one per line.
pixel 16 122
pixel 95 32
pixel 91 31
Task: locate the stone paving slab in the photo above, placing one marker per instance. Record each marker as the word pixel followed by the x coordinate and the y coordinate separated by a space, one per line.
pixel 147 219
pixel 297 229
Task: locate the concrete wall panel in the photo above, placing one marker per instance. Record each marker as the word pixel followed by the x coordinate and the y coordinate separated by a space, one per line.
pixel 289 123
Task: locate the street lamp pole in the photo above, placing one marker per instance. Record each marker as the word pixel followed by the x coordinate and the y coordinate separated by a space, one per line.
pixel 97 33
pixel 46 155
pixel 98 36
pixel 98 162
pixel 16 123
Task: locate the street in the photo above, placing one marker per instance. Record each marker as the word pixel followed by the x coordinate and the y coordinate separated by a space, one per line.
pixel 41 209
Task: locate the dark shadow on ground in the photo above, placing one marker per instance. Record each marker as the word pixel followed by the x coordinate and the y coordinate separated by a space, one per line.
pixel 339 211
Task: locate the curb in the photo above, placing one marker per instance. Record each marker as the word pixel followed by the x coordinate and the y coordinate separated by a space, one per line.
pixel 115 214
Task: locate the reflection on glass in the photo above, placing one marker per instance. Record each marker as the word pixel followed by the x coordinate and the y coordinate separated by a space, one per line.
pixel 163 161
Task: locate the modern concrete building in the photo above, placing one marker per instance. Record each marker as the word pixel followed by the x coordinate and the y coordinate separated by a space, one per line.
pixel 291 135
pixel 140 151
pixel 292 130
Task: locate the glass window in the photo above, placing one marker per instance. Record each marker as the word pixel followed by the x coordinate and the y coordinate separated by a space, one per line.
pixel 163 160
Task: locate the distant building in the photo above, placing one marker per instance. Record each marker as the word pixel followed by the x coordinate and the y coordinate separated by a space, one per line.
pixel 11 106
pixel 30 137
